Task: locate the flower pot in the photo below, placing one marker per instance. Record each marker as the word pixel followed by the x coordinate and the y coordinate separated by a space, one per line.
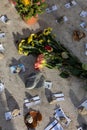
pixel 12 2
pixel 31 20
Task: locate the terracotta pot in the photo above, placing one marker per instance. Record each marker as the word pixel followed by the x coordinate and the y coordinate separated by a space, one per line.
pixel 12 2
pixel 31 20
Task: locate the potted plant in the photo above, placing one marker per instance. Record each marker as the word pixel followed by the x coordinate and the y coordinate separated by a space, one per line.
pixel 29 9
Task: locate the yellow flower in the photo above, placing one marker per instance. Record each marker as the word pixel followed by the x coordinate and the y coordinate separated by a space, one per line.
pixel 32 44
pixel 26 53
pixel 35 35
pixel 21 43
pixel 48 40
pixel 20 52
pixel 47 31
pixel 30 38
pixel 41 41
pixel 21 49
pixel 43 62
pixel 41 66
pixel 26 2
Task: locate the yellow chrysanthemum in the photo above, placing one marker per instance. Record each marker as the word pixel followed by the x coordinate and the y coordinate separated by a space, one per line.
pixel 20 52
pixel 26 2
pixel 21 43
pixel 31 38
pixel 21 49
pixel 35 35
pixel 26 53
pixel 47 31
pixel 32 44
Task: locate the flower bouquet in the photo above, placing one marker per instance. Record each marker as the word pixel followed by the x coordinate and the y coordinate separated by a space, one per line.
pixel 52 54
pixel 45 46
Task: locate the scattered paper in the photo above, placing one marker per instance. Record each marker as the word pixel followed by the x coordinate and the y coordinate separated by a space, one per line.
pixel 57 97
pixel 70 4
pixel 51 9
pixel 17 68
pixel 62 19
pixel 4 19
pixel 84 26
pixel 67 5
pixel 32 101
pixel 1 87
pixel 59 113
pixel 80 128
pixel 73 2
pixel 48 84
pixel 86 45
pixel 1 48
pixel 83 14
pixel 86 49
pixel 55 125
pixel 65 19
pixel 2 34
pixel 86 52
pixel 8 115
pixel 84 104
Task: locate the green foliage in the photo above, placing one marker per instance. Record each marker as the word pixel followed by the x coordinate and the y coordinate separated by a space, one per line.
pixel 64 74
pixel 85 85
pixel 84 66
pixel 56 57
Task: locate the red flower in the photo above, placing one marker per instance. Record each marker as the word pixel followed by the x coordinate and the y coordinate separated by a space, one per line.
pixel 40 58
pixel 38 66
pixel 40 62
pixel 48 48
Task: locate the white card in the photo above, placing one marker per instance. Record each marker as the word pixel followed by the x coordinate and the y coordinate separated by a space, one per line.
pixel 83 14
pixel 67 5
pixel 8 115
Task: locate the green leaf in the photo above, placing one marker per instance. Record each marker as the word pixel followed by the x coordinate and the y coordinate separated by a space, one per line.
pixel 58 66
pixel 75 71
pixel 64 74
pixel 84 66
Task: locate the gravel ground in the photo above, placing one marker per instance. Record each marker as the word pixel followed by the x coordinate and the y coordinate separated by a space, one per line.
pixel 15 91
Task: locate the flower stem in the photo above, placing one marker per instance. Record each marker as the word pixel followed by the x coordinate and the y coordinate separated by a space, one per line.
pixel 49 66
